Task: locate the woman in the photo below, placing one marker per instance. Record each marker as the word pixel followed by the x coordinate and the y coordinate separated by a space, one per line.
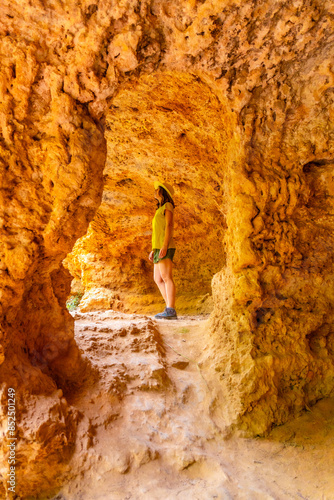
pixel 163 247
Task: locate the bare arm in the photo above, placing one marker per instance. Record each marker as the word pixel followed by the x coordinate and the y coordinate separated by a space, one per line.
pixel 168 232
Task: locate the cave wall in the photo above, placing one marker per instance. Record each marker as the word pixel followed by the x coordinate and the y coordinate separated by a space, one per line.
pixel 274 338
pixel 270 63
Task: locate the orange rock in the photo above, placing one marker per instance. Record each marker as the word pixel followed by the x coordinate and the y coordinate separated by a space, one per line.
pixel 234 104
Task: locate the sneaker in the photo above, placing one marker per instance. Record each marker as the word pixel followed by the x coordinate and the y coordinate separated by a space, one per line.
pixel 169 313
pixel 159 314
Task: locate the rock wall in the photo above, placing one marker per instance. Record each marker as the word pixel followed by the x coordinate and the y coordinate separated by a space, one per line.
pixel 52 157
pixel 275 334
pixel 270 66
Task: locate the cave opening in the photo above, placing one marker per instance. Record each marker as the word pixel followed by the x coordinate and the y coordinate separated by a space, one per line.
pixel 173 127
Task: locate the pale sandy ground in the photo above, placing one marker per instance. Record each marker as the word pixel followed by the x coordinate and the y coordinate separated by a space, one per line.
pixel 146 430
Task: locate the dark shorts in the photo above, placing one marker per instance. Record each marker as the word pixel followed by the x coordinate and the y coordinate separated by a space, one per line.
pixel 169 255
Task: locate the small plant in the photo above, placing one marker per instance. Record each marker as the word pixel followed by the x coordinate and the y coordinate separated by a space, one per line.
pixel 73 302
pixel 184 330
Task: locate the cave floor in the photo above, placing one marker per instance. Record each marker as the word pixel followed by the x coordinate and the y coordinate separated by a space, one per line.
pixel 147 432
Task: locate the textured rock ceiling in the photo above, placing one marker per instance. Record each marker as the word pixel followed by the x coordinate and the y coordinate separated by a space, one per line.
pixel 70 73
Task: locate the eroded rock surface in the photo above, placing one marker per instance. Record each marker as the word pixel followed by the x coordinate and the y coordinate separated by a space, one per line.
pixel 147 429
pixel 264 75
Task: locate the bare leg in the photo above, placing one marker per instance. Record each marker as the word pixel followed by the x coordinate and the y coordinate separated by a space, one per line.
pixel 166 270
pixel 159 281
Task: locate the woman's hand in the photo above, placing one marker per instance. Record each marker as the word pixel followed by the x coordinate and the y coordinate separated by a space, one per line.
pixel 150 257
pixel 162 252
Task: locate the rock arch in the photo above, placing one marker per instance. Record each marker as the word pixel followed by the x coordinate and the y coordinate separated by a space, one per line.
pixel 272 323
pixel 170 125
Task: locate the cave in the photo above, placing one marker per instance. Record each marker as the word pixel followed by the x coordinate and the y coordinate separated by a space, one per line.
pixel 233 103
pixel 170 126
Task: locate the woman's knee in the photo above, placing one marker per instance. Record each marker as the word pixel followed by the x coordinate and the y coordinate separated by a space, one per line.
pixel 166 277
pixel 158 278
pixel 166 271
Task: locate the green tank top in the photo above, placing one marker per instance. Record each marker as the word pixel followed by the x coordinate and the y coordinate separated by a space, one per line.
pixel 159 227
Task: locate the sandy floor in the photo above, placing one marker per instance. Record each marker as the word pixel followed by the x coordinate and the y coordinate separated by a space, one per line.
pixel 146 430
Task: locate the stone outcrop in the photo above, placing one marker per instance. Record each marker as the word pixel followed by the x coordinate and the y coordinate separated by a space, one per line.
pixel 257 125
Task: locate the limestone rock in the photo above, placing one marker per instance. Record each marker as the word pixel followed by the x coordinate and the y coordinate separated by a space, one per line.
pixel 99 299
pixel 234 101
pixel 46 431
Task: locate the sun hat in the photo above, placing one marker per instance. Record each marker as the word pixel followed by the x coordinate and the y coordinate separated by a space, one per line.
pixel 166 186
